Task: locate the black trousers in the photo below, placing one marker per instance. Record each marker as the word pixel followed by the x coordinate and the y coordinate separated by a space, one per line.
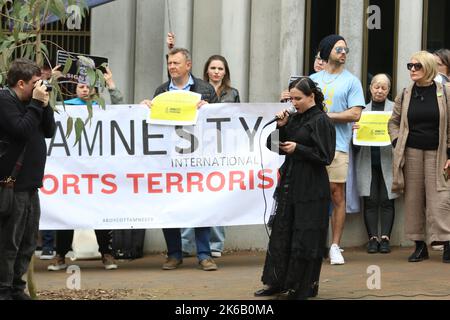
pixel 64 240
pixel 18 239
pixel 378 206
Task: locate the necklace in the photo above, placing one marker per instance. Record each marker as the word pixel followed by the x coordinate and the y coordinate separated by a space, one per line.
pixel 332 80
pixel 419 92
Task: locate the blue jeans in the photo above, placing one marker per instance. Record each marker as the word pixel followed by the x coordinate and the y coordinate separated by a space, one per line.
pixel 216 242
pixel 173 241
pixel 48 239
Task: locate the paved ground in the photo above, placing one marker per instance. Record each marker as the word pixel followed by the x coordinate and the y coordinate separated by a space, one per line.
pixel 239 276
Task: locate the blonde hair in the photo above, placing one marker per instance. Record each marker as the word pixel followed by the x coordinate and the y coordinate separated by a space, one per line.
pixel 381 78
pixel 429 64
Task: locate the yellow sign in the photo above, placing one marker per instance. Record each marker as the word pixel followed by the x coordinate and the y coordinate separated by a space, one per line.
pixel 177 107
pixel 373 129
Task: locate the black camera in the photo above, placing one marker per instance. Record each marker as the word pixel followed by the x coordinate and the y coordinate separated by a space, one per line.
pixel 48 86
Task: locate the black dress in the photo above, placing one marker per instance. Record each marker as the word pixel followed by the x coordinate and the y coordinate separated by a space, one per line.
pixel 299 230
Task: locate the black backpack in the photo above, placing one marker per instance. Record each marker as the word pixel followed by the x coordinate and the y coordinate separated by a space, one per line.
pixel 128 244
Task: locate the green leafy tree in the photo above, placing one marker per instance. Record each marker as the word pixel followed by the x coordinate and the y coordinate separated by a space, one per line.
pixel 21 37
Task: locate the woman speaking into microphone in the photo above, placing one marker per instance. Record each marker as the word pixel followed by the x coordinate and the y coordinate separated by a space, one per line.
pixel 299 230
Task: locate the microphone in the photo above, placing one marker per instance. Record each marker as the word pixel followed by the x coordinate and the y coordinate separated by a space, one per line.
pixel 291 110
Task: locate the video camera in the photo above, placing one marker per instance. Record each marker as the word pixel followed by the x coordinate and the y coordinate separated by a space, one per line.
pixel 48 86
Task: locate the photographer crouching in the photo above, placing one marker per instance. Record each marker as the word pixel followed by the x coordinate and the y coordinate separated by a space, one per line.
pixel 25 121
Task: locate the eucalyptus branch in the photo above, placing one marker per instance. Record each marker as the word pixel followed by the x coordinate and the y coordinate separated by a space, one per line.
pixel 54 44
pixel 15 19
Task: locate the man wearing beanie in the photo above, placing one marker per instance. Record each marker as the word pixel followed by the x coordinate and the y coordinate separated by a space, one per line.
pixel 344 99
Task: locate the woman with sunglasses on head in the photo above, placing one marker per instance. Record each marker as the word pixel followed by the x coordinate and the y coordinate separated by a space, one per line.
pixel 420 133
pixel 299 230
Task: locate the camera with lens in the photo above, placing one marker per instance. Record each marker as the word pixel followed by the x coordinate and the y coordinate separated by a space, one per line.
pixel 48 86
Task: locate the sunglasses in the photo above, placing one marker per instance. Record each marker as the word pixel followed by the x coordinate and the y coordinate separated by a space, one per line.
pixel 340 50
pixel 417 66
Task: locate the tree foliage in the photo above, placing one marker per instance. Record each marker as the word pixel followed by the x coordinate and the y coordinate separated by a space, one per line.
pixel 21 31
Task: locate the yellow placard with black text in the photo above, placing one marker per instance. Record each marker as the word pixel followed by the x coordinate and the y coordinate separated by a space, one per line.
pixel 176 107
pixel 373 129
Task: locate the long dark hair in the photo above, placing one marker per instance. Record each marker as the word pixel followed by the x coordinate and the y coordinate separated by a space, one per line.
pixel 226 82
pixel 308 87
pixel 444 55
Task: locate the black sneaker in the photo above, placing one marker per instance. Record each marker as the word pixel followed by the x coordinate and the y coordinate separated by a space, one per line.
pixel 384 246
pixel 446 253
pixel 47 254
pixel 19 295
pixel 5 293
pixel 372 246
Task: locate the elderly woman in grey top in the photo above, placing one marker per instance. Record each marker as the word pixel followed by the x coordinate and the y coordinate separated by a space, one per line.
pixel 374 175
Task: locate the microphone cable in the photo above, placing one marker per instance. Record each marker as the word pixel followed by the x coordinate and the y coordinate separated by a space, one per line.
pixel 274 206
pixel 263 185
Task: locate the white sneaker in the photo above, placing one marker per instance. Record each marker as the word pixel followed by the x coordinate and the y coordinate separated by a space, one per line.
pixel 108 262
pixel 439 247
pixel 60 264
pixel 336 255
pixel 216 254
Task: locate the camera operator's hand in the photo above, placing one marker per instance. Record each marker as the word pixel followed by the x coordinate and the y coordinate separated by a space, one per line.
pixel 40 92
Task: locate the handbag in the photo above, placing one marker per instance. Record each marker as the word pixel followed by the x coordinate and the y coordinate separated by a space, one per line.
pixel 7 188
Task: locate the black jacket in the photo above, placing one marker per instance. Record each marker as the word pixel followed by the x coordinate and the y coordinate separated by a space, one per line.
pixel 20 124
pixel 204 88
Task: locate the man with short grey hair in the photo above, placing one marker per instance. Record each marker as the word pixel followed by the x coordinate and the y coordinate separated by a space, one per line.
pixel 179 66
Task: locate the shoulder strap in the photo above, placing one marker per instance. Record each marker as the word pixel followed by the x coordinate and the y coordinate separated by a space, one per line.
pixel 19 164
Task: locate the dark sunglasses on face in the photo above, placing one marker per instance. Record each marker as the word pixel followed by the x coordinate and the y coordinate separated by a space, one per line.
pixel 417 66
pixel 340 50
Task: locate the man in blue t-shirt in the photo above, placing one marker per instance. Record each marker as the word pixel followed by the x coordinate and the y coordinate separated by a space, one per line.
pixel 344 99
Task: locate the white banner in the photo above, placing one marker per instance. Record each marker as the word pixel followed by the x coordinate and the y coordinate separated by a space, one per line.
pixel 126 173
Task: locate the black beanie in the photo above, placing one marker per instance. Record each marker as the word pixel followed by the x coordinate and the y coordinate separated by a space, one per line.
pixel 327 44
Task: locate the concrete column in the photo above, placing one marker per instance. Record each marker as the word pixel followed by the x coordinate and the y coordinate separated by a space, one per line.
pixel 292 39
pixel 150 48
pixel 116 20
pixel 178 17
pixel 351 24
pixel 265 51
pixel 206 33
pixel 409 37
pixel 235 42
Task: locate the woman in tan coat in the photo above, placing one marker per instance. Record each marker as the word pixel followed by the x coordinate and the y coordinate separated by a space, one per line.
pixel 420 133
